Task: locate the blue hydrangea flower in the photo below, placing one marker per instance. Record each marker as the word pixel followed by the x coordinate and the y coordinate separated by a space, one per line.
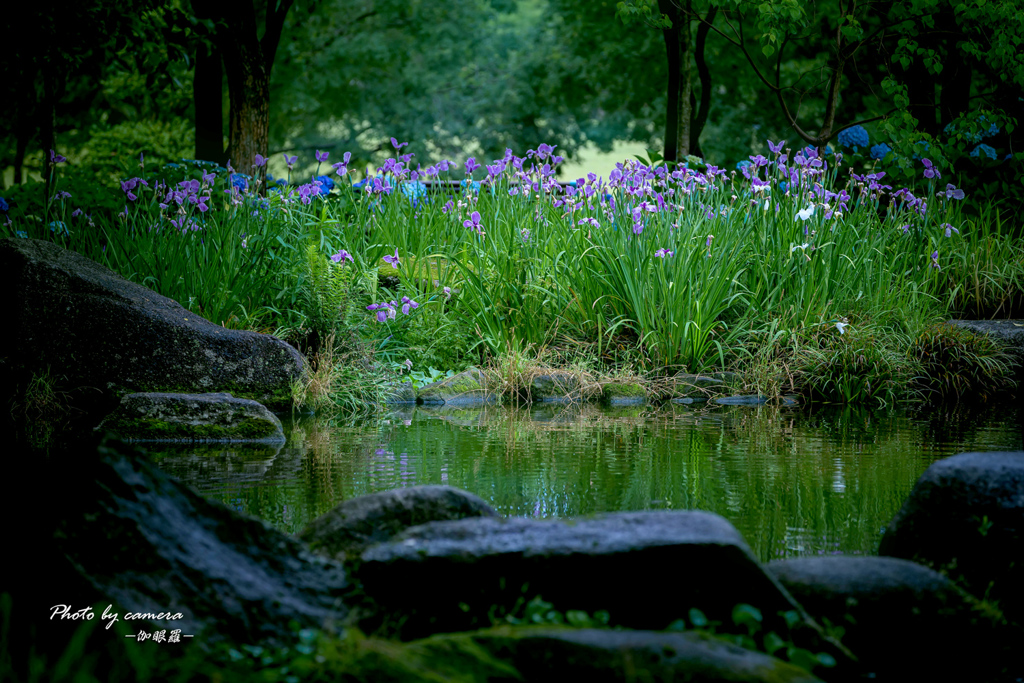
pixel 854 137
pixel 58 228
pixel 474 186
pixel 880 150
pixel 984 149
pixel 238 181
pixel 326 183
pixel 741 164
pixel 415 191
pixel 4 206
pixel 21 233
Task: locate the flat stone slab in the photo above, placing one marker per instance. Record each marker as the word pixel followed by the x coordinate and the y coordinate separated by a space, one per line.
pixel 358 523
pixel 897 615
pixel 550 653
pixel 219 418
pixel 965 517
pixel 647 569
pixel 468 388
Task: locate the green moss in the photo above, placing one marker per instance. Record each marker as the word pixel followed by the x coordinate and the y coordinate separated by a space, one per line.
pixel 623 389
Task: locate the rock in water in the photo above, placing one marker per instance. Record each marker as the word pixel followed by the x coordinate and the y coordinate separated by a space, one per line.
pixel 468 388
pixel 95 329
pixel 902 620
pixel 149 544
pixel 647 569
pixel 194 418
pixel 965 517
pixel 356 524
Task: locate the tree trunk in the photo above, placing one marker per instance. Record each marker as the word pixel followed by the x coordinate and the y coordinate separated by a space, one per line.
pixel 248 85
pixel 208 94
pixel 700 116
pixel 678 107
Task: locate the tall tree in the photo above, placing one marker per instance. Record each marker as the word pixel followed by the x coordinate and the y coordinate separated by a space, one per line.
pixel 684 120
pixel 248 60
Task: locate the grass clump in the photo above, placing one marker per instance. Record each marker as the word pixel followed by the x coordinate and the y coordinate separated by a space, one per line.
pixel 955 363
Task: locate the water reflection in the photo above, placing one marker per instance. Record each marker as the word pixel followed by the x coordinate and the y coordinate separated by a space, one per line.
pixel 794 481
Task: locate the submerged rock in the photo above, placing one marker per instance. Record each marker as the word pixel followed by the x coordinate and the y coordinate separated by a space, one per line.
pixel 647 569
pixel 193 417
pixel 146 543
pixel 741 400
pixel 464 389
pixel 965 517
pixel 358 523
pixel 897 615
pixel 96 330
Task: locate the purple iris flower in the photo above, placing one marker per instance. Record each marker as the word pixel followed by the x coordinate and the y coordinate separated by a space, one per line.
pixel 259 160
pixel 473 221
pixel 930 170
pixel 662 253
pixel 393 260
pixel 448 206
pixel 290 161
pixel 341 256
pixel 776 148
pixel 397 145
pixel 950 229
pixel 953 193
pixel 322 156
pixel 407 304
pixel 56 158
pixel 471 165
pixel 935 260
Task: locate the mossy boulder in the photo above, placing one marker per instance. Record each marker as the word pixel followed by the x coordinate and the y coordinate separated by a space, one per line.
pixel 623 394
pixel 193 417
pixel 107 336
pixel 551 653
pixel 466 388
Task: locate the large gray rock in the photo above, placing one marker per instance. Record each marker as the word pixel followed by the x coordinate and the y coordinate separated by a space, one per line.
pixel 965 517
pixel 146 543
pixel 96 329
pixel 902 620
pixel 545 653
pixel 464 389
pixel 646 569
pixel 193 417
pixel 358 523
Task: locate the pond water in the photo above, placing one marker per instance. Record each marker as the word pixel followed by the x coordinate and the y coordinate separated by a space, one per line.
pixel 793 480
